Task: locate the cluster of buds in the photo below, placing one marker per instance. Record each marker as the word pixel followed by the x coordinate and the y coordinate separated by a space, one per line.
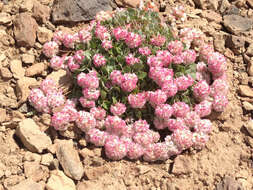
pixel 127 81
pixel 90 84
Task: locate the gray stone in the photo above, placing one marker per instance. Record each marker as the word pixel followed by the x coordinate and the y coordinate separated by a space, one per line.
pixel 31 136
pixel 69 159
pixel 70 11
pixel 236 24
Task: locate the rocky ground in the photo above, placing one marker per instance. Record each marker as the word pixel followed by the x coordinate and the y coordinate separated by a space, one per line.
pixel 34 157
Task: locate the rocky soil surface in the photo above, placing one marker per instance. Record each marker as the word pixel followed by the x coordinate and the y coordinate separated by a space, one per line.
pixel 34 156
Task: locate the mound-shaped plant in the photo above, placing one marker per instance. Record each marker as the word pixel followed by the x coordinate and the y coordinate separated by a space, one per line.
pixel 139 90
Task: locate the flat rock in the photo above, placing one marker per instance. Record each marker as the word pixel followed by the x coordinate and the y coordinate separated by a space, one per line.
pixel 16 68
pixel 245 90
pixel 62 78
pixel 249 127
pixel 58 181
pixel 69 159
pixel 237 24
pixel 95 172
pixel 228 183
pixel 35 69
pixel 129 3
pixel 25 28
pixel 5 73
pixel 247 106
pixel 250 68
pixel 70 11
pixel 47 159
pixel 5 18
pixel 27 184
pixel 35 171
pixel 3 115
pixel 41 12
pixel 27 58
pixel 211 16
pixel 22 88
pixel 44 34
pixel 182 165
pixel 31 136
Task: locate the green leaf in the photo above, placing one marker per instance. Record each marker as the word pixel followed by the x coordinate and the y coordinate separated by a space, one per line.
pixel 138 66
pixel 114 100
pixel 141 75
pixel 127 69
pixel 103 94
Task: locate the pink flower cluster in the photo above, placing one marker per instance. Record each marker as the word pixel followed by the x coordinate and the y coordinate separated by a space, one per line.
pixel 90 84
pixel 127 81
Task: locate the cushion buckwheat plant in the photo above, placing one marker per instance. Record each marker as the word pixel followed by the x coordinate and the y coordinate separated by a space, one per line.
pixel 139 91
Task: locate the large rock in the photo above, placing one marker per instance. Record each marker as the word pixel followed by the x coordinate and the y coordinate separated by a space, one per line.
pixel 25 28
pixel 58 181
pixel 69 159
pixel 31 136
pixel 27 184
pixel 236 24
pixel 70 11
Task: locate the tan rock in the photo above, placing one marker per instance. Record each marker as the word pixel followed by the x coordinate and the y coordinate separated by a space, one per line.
pixel 250 68
pixel 5 73
pixel 61 78
pixel 245 90
pixel 41 12
pixel 25 28
pixel 16 68
pixel 250 3
pixel 3 115
pixel 35 171
pixel 23 89
pixel 5 18
pixel 182 165
pixel 44 35
pixel 69 159
pixel 32 157
pixel 27 58
pixel 130 3
pixel 35 69
pixel 46 159
pixel 26 5
pixel 211 16
pixel 27 184
pixel 249 127
pixel 31 136
pixel 247 106
pixel 58 181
